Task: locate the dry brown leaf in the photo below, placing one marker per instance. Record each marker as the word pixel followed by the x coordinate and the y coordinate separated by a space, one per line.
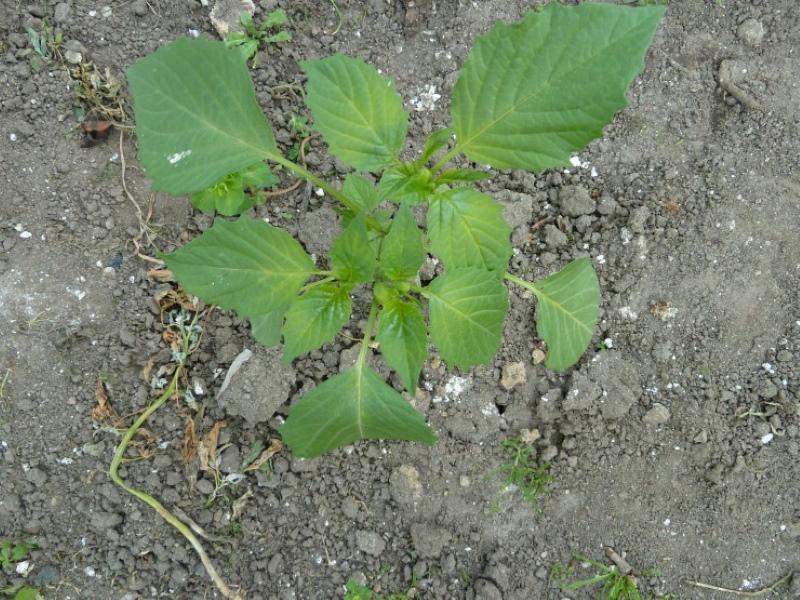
pixel 275 446
pixel 207 448
pixel 102 409
pixel 189 447
pixel 145 444
pixel 169 299
pixel 172 339
pixel 238 505
pixel 148 370
pixel 161 275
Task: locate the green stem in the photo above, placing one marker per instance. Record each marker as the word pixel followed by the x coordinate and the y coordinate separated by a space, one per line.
pixel 373 313
pixel 454 151
pixel 325 187
pixel 308 286
pixel 521 282
pixel 309 176
pixel 184 530
pixel 418 289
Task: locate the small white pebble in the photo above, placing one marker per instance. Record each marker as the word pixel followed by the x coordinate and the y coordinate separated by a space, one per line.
pixel 12 137
pixel 608 342
pixel 25 235
pixel 766 439
pixel 23 567
pixel 319 192
pixel 89 571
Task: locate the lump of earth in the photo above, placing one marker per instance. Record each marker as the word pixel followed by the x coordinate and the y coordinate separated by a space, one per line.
pixel 658 415
pixel 370 543
pixel 429 540
pixel 575 201
pixel 260 386
pixel 513 374
pixel 618 380
pixel 317 229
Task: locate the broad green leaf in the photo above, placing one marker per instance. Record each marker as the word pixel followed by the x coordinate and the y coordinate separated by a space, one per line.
pixel 259 176
pixel 314 319
pixel 408 183
pixel 435 142
pixel 352 255
pixel 247 265
pixel 197 118
pixel 567 309
pixel 467 175
pixel 467 229
pixel 404 343
pixel 467 308
pixel 402 252
pixel 358 112
pixel 533 92
pixel 361 191
pixel 354 405
pixel 266 327
pixel 27 593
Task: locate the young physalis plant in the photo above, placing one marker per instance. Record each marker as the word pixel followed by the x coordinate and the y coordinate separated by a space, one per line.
pixel 529 95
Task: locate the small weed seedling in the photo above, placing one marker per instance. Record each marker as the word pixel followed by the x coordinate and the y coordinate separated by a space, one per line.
pixel 613 583
pixel 47 42
pixel 520 470
pixel 356 591
pixel 253 37
pixel 530 94
pixel 13 560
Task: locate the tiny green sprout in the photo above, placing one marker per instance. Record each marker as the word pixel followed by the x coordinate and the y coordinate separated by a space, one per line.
pixel 356 591
pixel 530 94
pixel 520 470
pixel 237 192
pixel 612 583
pixel 14 552
pixel 253 37
pixel 46 43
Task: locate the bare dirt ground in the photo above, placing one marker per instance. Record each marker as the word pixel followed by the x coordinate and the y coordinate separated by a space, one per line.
pixel 675 440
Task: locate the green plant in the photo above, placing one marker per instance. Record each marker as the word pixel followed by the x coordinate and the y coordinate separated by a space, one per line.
pixel 249 41
pixel 529 95
pixel 520 470
pixel 356 591
pixel 47 42
pixel 14 552
pixel 613 583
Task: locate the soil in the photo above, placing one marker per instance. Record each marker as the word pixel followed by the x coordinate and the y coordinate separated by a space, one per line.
pixel 675 440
